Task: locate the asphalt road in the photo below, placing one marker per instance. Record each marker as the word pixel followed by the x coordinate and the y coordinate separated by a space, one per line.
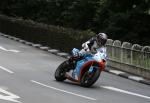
pixel 27 76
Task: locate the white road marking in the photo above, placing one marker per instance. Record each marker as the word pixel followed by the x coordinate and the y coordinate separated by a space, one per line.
pixel 86 97
pixel 8 96
pixel 126 92
pixel 15 51
pixel 7 70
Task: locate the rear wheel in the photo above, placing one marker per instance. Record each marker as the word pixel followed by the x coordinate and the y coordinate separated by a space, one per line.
pixel 61 71
pixel 88 79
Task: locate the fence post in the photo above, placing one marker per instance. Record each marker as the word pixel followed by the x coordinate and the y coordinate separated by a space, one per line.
pixel 146 56
pixel 136 50
pixel 109 45
pixel 116 50
pixel 126 52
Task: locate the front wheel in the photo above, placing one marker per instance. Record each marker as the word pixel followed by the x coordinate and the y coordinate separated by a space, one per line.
pixel 88 79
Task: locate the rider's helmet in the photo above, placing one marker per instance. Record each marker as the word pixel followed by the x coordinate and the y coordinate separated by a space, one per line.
pixel 101 39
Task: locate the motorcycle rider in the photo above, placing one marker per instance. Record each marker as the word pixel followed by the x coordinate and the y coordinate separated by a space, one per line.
pixel 91 46
pixel 97 42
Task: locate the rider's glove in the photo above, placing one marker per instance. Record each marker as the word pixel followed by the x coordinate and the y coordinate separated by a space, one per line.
pixel 75 52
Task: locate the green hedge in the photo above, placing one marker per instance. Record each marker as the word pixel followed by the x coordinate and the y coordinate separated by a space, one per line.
pixel 53 36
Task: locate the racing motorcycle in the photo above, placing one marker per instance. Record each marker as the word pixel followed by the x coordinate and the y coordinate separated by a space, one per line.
pixel 82 69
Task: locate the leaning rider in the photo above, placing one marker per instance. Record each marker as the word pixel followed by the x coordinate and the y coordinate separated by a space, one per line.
pixel 96 42
pixel 91 46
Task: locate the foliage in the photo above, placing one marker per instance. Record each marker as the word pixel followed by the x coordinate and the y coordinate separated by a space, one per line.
pixel 126 20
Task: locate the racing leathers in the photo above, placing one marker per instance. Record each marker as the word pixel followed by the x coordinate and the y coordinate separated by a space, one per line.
pixel 91 47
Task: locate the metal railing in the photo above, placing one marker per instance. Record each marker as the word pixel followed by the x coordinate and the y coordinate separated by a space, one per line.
pixel 127 53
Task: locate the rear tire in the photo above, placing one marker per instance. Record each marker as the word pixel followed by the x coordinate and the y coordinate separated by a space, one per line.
pixel 88 80
pixel 61 71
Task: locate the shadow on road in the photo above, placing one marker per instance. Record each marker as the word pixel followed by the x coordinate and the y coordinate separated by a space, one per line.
pixel 76 84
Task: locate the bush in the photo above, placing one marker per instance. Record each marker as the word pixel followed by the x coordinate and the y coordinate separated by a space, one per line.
pixel 53 36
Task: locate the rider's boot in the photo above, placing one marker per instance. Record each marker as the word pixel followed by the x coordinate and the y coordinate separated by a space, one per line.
pixel 70 78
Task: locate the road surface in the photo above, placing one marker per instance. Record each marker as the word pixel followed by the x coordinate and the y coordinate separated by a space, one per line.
pixel 27 76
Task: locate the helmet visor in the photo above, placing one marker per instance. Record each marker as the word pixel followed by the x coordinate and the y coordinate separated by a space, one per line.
pixel 101 41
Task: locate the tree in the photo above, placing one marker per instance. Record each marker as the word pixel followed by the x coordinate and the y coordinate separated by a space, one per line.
pixel 125 20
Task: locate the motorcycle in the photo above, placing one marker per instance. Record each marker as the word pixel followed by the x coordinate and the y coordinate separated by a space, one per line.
pixel 82 69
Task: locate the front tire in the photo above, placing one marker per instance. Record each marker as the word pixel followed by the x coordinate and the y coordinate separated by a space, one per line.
pixel 88 79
